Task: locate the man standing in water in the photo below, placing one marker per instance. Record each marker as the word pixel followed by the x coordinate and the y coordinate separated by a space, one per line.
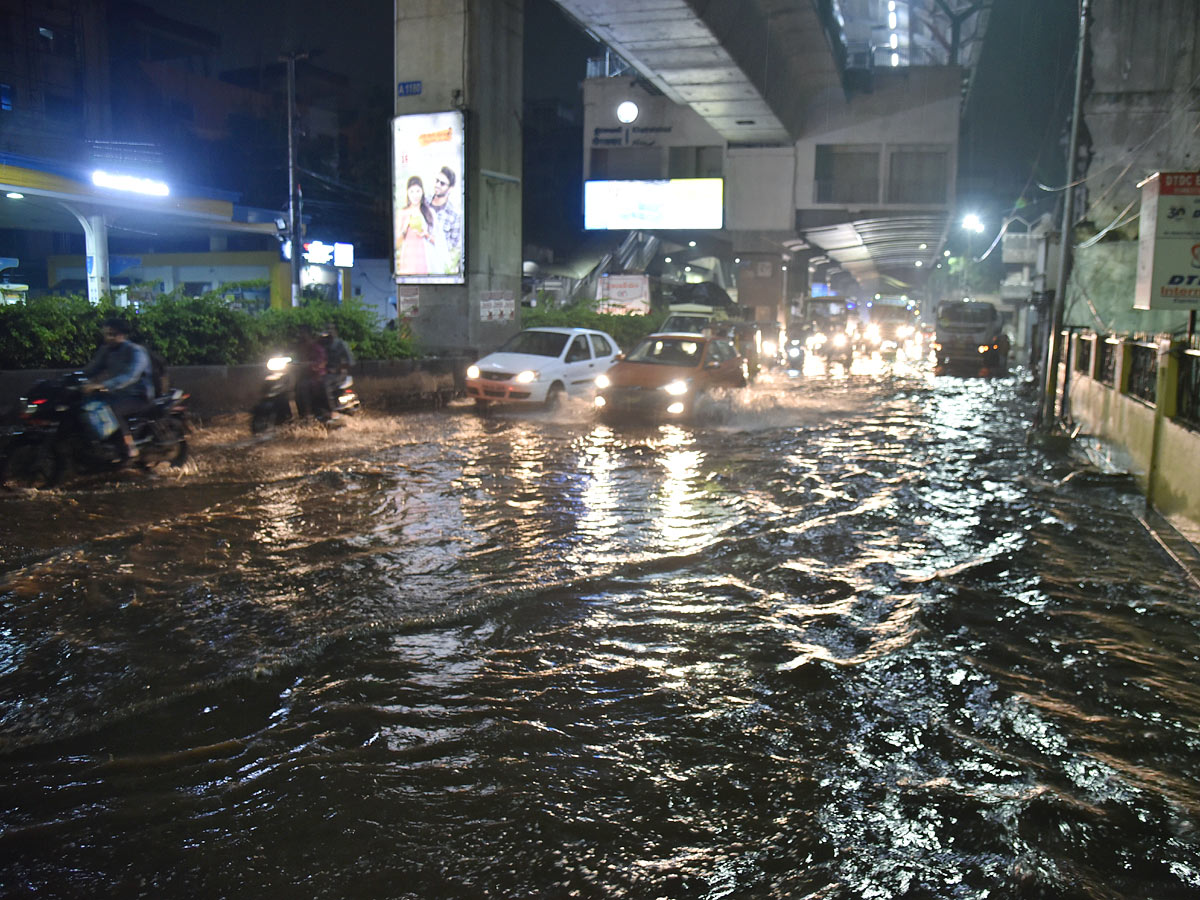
pixel 449 219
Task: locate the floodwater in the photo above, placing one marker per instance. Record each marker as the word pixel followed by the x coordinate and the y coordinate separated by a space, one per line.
pixel 847 636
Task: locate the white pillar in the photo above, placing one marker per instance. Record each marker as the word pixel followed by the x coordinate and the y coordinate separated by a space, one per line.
pixel 96 247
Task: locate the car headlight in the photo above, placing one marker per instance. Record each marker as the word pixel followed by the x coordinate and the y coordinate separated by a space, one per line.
pixel 676 388
pixel 984 348
pixel 527 376
pixel 905 331
pixel 278 363
pixel 600 402
pixel 472 371
pixel 675 408
pixel 839 340
pixel 873 334
pixel 602 381
pixel 769 348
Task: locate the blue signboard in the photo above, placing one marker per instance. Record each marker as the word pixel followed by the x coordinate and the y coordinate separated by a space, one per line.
pixel 408 88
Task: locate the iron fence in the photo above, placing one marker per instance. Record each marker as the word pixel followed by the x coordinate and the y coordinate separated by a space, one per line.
pixel 1083 353
pixel 1143 372
pixel 1188 401
pixel 1106 353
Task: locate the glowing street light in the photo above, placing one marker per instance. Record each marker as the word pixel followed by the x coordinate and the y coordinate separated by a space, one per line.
pixel 972 222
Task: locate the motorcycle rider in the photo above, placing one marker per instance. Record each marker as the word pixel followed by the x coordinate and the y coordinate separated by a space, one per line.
pixel 339 360
pixel 123 370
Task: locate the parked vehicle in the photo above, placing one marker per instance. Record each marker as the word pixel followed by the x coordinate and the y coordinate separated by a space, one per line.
pixel 970 334
pixel 667 374
pixel 540 366
pixel 62 430
pixel 279 402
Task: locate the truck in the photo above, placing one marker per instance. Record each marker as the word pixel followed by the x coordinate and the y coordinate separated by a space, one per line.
pixel 970 334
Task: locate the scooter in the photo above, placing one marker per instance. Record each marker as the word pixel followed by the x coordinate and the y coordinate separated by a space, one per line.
pixel 63 430
pixel 279 404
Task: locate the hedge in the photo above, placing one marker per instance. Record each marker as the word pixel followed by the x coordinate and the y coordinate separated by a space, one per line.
pixel 626 329
pixel 63 332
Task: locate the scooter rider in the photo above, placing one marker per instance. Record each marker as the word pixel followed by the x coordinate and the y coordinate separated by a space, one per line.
pixel 122 369
pixel 340 359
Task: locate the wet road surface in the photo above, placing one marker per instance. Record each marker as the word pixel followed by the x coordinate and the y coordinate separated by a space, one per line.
pixel 845 637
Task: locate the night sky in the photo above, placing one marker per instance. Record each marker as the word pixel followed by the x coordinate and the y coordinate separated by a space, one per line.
pixel 1012 130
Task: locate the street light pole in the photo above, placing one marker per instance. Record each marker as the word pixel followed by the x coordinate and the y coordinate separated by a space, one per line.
pixel 1053 346
pixel 293 184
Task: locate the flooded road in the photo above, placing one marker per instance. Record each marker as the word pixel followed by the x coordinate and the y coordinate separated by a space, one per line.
pixel 847 637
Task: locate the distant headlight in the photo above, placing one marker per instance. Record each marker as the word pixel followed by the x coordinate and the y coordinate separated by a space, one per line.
pixel 600 402
pixel 602 381
pixel 769 348
pixel 676 388
pixel 527 376
pixel 676 408
pixel 839 340
pixel 472 371
pixel 793 352
pixel 278 363
pixel 984 348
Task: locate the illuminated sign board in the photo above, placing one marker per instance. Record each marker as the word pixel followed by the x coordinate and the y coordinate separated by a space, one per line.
pixel 677 203
pixel 1168 266
pixel 131 183
pixel 318 253
pixel 428 223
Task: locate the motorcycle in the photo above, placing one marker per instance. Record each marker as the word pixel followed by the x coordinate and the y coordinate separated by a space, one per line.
pixel 61 430
pixel 278 403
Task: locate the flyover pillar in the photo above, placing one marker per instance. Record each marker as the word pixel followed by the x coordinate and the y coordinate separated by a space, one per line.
pixel 466 55
pixel 95 240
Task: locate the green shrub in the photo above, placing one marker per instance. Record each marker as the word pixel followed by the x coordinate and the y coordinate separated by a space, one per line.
pixel 63 332
pixel 626 329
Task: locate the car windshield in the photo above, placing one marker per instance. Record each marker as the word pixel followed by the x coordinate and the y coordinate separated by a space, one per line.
pixel 890 314
pixel 668 352
pixel 695 324
pixel 965 314
pixel 536 343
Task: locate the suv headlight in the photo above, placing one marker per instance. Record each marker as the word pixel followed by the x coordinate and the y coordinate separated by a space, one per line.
pixel 526 377
pixel 472 371
pixel 676 388
pixel 602 381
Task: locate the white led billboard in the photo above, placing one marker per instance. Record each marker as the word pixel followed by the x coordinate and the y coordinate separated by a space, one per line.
pixel 428 224
pixel 677 203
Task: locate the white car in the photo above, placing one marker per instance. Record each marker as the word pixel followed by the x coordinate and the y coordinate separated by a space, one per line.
pixel 538 366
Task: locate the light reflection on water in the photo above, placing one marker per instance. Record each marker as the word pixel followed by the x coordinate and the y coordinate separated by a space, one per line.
pixel 849 638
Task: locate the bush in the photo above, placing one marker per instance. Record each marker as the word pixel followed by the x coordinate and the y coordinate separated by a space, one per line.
pixel 626 329
pixel 64 332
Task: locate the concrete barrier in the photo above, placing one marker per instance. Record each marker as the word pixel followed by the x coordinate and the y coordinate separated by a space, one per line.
pixel 217 390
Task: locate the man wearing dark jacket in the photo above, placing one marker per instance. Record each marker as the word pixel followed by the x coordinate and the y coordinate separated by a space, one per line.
pixel 122 369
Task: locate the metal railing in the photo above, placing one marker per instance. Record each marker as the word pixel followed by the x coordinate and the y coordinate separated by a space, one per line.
pixel 1083 353
pixel 1106 358
pixel 1187 404
pixel 1143 372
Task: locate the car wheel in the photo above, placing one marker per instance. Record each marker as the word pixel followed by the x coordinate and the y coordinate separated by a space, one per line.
pixel 554 396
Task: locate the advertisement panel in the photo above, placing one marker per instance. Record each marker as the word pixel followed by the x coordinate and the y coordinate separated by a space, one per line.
pixel 428 225
pixel 1168 269
pixel 677 204
pixel 624 294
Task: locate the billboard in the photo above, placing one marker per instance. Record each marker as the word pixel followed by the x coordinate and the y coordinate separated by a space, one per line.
pixel 676 203
pixel 428 225
pixel 1168 269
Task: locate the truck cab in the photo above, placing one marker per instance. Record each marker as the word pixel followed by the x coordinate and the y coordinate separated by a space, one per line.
pixel 969 334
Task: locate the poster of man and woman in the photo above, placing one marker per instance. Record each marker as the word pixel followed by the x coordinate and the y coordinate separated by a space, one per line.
pixel 427 225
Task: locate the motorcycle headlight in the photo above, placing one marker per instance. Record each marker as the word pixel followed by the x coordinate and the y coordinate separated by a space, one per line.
pixel 527 376
pixel 472 371
pixel 600 402
pixel 676 388
pixel 873 333
pixel 984 348
pixel 602 381
pixel 278 363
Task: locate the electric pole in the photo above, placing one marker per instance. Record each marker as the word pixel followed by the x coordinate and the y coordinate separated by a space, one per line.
pixel 293 184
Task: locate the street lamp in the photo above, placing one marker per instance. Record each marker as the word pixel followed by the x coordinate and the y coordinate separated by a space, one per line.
pixel 971 224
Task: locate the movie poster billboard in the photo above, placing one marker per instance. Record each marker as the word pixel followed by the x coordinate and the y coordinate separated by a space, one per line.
pixel 428 225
